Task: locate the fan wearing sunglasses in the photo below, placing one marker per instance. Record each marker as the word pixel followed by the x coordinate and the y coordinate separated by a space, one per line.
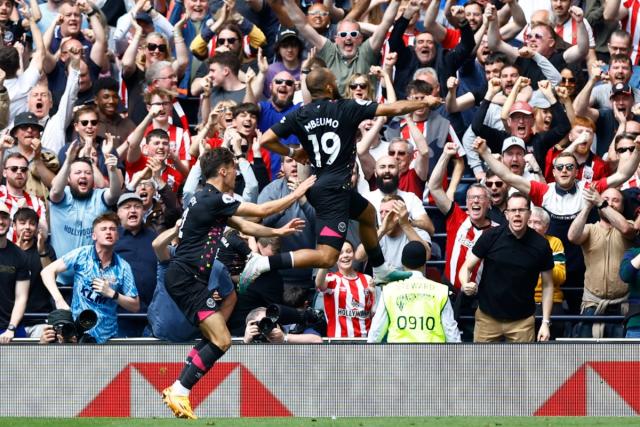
pixel 350 53
pixel 14 193
pixel 591 167
pixel 499 192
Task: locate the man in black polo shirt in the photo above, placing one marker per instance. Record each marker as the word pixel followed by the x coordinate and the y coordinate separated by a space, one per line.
pixel 187 277
pixel 513 255
pixel 326 128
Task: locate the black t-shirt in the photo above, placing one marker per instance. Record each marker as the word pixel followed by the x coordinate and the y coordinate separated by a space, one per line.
pixel 14 267
pixel 510 271
pixel 233 252
pixel 327 130
pixel 529 68
pixel 203 223
pixel 39 298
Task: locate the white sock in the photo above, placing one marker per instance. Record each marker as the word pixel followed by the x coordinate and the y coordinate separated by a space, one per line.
pixel 178 389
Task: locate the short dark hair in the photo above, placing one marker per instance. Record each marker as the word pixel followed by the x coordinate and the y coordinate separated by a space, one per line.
pixel 618 57
pixel 246 107
pixel 494 57
pixel 106 217
pixel 9 60
pixel 295 296
pixel 519 195
pixel 566 154
pixel 157 133
pixel 14 155
pixel 274 242
pixel 106 83
pixel 213 160
pixel 317 81
pixel 226 59
pixel 419 86
pixel 26 213
pixel 85 160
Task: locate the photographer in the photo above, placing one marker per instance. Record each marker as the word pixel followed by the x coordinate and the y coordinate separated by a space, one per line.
pixel 62 329
pixel 263 328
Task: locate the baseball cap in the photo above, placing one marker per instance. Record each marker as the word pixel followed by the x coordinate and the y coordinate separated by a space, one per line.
pixel 511 141
pixel 4 208
pixel 285 34
pixel 59 316
pixel 128 196
pixel 521 107
pixel 414 255
pixel 621 88
pixel 26 118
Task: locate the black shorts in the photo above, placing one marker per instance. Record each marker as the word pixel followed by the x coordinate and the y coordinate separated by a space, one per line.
pixel 334 208
pixel 190 293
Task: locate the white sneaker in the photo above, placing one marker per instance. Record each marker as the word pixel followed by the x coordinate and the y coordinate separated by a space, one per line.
pixel 386 273
pixel 255 266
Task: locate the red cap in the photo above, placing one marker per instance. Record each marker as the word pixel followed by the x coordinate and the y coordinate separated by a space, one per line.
pixel 521 107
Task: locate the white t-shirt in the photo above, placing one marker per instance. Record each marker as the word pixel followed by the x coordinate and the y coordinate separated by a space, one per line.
pixel 392 246
pixel 414 204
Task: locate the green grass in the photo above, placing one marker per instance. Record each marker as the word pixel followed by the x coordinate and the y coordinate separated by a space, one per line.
pixel 325 422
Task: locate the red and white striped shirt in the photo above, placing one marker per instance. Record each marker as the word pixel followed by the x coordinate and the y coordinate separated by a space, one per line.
pixel 14 203
pixel 461 236
pixel 179 140
pixel 347 305
pixel 631 25
pixel 569 32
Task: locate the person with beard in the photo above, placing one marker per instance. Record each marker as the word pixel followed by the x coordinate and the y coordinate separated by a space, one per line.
pixel 175 155
pixel 564 200
pixel 32 239
pixel 499 191
pixel 591 167
pixel 516 158
pixel 102 280
pixel 43 163
pixel 350 53
pixel 463 230
pixel 326 128
pixel 134 245
pixel 520 122
pixel 13 193
pixel 512 256
pixel 603 245
pixel 387 181
pixel 14 282
pixel 107 101
pixel 74 203
pixel 302 209
pixel 280 104
pixel 610 119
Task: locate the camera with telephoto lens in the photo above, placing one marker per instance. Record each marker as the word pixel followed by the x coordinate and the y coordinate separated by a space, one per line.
pixel 282 315
pixel 65 327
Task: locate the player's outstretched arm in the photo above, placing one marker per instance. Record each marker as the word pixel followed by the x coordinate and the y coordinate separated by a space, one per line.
pixel 253 229
pixel 399 108
pixel 269 208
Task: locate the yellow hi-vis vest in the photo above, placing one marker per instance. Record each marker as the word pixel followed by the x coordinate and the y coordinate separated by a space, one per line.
pixel 414 307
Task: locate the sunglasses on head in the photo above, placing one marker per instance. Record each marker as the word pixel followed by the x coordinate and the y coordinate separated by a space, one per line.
pixel 285 81
pixel 497 184
pixel 621 150
pixel 358 86
pixel 353 34
pixel 15 169
pixel 568 166
pixel 158 47
pixel 230 40
pixel 87 122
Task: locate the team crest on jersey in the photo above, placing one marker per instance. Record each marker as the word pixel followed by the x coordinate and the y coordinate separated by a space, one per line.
pixel 227 198
pixel 210 303
pixel 342 227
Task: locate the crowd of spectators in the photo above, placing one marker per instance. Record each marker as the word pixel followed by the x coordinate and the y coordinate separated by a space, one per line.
pixel 531 149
